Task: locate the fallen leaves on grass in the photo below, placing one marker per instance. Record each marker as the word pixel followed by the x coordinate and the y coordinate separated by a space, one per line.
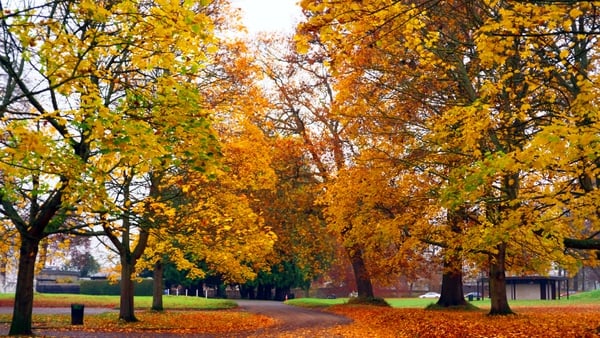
pixel 547 322
pixel 177 322
pixel 368 321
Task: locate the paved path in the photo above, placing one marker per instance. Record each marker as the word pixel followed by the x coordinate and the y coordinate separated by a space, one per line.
pixel 289 317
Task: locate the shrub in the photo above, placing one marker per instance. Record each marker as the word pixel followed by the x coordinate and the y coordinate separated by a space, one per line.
pixel 104 287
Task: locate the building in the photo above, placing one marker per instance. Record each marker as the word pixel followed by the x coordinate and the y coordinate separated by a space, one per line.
pixel 57 281
pixel 529 287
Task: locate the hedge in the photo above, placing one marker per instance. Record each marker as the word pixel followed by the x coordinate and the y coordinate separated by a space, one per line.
pixel 57 288
pixel 104 287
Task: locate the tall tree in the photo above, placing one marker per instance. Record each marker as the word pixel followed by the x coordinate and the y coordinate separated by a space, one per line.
pixel 462 88
pixel 95 94
pixel 391 76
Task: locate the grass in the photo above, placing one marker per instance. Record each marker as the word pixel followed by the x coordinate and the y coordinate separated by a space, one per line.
pixel 583 298
pixel 316 302
pixel 142 302
pixel 181 302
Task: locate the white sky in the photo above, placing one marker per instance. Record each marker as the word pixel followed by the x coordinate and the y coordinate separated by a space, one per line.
pixel 268 15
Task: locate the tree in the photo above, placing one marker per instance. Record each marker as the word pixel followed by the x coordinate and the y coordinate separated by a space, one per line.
pixel 390 79
pixel 303 249
pixel 475 94
pixel 223 233
pixel 96 92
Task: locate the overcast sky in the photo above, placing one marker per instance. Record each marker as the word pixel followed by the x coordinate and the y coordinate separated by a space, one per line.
pixel 269 15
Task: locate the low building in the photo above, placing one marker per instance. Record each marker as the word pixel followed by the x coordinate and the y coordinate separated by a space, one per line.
pixel 529 287
pixel 57 281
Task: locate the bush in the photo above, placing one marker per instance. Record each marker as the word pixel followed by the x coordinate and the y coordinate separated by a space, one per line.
pixel 57 288
pixel 104 287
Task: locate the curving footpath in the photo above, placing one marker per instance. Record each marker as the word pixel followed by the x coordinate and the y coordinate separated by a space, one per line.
pixel 290 318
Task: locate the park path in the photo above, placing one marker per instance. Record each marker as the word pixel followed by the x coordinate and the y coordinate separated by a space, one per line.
pixel 290 318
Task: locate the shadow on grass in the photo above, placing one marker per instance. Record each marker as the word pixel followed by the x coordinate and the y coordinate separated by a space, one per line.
pixel 464 307
pixel 376 301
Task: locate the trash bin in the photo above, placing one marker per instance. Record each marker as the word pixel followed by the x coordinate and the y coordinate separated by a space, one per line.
pixel 77 314
pixel 470 297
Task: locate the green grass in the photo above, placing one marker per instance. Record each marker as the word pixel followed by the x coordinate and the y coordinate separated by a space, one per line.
pixel 316 302
pixel 586 296
pixel 583 298
pixel 181 302
pixel 142 302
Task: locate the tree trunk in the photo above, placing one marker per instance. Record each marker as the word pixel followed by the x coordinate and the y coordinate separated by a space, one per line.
pixel 247 291
pixel 3 270
pixel 264 292
pixel 127 311
pixel 498 283
pixel 361 275
pixel 452 286
pixel 282 293
pixel 157 287
pixel 23 307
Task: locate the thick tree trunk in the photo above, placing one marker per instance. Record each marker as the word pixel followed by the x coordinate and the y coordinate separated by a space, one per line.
pixel 127 310
pixel 452 286
pixel 361 275
pixel 498 296
pixel 157 287
pixel 23 307
pixel 264 292
pixel 247 291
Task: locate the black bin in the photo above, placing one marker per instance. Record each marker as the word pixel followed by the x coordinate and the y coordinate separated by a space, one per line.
pixel 77 314
pixel 470 297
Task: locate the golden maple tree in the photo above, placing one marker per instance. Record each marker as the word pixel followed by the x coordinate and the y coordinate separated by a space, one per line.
pixel 100 99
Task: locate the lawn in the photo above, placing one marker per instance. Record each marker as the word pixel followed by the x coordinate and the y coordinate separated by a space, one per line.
pixel 141 302
pixel 584 298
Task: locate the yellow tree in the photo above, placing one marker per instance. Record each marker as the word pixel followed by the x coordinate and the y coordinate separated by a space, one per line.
pixel 561 50
pixel 388 210
pixel 98 95
pixel 304 247
pixel 212 220
pixel 392 76
pixel 469 81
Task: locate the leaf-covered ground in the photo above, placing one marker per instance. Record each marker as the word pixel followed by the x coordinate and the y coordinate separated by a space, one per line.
pixel 548 322
pixel 368 321
pixel 223 322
